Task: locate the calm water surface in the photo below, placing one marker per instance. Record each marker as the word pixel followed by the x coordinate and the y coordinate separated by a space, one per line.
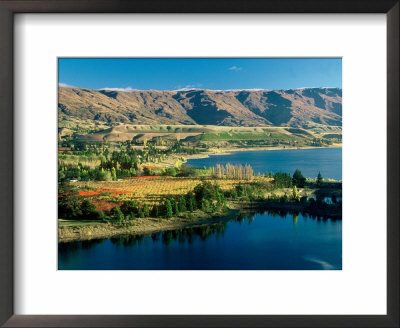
pixel 309 161
pixel 256 241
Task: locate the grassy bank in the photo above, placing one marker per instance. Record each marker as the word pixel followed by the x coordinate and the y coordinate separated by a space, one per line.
pixel 69 231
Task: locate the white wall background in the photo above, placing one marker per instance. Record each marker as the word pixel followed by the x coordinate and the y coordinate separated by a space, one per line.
pixel 360 288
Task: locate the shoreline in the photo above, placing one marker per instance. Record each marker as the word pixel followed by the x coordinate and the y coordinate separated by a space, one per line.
pixel 145 226
pixel 148 226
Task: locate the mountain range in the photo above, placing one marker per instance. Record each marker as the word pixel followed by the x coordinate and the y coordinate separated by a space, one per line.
pixel 292 108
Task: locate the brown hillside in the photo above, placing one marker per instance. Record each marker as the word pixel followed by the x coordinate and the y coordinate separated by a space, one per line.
pixel 294 108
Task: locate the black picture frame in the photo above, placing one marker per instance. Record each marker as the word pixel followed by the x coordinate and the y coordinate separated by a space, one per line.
pixel 10 7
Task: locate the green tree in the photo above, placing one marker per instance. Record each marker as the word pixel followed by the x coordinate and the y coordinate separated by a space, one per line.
pixel 170 171
pixel 220 199
pixel 146 210
pixel 176 208
pixel 240 191
pixel 116 214
pixel 155 211
pixel 141 212
pixel 147 171
pixel 283 199
pixel 174 205
pixel 319 180
pixel 298 179
pixel 114 174
pixel 129 207
pixel 102 215
pixel 295 194
pixel 178 164
pixel 231 194
pixel 168 209
pixel 88 210
pixel 104 175
pixel 205 205
pixel 191 201
pixel 206 190
pixel 187 171
pixel 182 204
pixel 282 180
pixel 68 205
pixel 132 172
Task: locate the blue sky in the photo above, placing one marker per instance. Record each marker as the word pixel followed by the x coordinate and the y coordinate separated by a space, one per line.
pixel 202 73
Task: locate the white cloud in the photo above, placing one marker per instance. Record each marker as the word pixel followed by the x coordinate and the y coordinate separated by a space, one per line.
pixel 127 89
pixel 65 85
pixel 187 87
pixel 235 68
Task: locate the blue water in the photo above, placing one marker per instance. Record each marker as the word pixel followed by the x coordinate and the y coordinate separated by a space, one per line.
pixel 328 161
pixel 259 241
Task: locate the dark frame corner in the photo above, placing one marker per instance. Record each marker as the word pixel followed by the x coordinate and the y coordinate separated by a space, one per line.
pixel 10 7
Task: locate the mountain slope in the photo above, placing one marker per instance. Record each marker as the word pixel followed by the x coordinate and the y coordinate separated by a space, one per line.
pixel 294 108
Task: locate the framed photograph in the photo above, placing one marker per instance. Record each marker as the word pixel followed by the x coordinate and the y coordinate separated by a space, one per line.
pixel 213 164
pixel 171 171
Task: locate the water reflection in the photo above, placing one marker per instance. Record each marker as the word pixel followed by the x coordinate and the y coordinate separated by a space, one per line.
pixel 330 200
pixel 128 240
pixel 283 213
pixel 85 244
pixel 189 235
pixel 264 239
pixel 204 232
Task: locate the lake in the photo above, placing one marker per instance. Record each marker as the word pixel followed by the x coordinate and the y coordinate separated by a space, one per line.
pixel 328 161
pixel 255 241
